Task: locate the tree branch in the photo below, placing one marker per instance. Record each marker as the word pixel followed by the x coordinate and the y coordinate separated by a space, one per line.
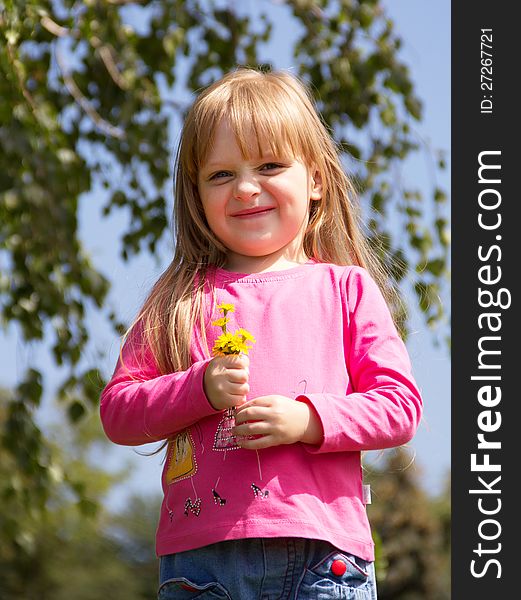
pixel 25 91
pixel 53 27
pixel 85 104
pixel 106 53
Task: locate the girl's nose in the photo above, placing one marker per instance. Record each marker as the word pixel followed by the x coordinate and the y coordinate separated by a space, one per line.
pixel 246 187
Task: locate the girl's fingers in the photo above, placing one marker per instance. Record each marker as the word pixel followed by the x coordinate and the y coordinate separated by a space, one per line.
pixel 236 389
pixel 265 441
pixel 237 375
pixel 236 361
pixel 259 402
pixel 257 428
pixel 251 413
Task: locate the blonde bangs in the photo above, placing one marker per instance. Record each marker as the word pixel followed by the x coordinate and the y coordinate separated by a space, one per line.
pixel 258 108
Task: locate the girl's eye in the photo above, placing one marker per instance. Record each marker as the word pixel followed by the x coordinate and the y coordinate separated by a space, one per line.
pixel 220 175
pixel 270 166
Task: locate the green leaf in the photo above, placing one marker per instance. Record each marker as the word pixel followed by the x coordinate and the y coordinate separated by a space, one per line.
pixel 76 411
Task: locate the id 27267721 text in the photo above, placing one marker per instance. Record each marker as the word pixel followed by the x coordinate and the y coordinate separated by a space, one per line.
pixel 487 82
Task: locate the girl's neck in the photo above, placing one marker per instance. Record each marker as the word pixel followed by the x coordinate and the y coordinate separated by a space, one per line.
pixel 261 264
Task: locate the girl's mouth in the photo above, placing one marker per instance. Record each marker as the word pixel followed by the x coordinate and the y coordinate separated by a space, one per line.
pixel 253 212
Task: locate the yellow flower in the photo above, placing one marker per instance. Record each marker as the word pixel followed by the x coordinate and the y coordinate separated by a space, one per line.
pixel 237 345
pixel 228 343
pixel 239 342
pixel 221 343
pixel 221 322
pixel 226 308
pixel 245 334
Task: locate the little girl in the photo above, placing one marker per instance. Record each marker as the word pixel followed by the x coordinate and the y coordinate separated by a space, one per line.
pixel 267 235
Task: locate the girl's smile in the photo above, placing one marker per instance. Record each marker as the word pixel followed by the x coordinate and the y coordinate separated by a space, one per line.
pixel 258 207
pixel 253 212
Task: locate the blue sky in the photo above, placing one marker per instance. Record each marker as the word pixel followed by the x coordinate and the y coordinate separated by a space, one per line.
pixel 425 29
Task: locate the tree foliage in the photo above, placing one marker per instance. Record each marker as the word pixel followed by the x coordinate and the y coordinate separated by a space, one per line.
pixel 74 548
pixel 90 92
pixel 413 533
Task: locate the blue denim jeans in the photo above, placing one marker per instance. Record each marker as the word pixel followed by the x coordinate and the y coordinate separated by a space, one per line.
pixel 266 569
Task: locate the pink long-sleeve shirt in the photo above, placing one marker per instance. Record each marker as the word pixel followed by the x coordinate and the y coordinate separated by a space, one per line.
pixel 324 335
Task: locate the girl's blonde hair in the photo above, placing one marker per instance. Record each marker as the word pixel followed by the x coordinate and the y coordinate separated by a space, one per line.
pixel 279 110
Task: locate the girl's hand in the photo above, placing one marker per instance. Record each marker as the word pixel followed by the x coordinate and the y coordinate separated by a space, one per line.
pixel 276 420
pixel 225 381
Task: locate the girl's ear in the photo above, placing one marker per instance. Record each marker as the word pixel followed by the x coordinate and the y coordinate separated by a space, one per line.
pixel 316 185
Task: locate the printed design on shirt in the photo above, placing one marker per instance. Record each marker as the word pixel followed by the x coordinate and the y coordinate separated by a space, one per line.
pixel 193 507
pixel 258 493
pixel 182 463
pixel 301 384
pixel 224 438
pixel 217 499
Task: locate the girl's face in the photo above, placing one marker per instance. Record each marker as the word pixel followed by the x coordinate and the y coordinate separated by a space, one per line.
pixel 259 207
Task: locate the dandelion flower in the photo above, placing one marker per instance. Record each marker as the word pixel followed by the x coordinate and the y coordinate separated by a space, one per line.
pixel 221 322
pixel 222 343
pixel 226 308
pixel 228 343
pixel 238 345
pixel 245 334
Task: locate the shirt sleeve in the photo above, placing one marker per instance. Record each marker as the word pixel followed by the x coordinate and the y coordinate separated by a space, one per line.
pixel 139 406
pixel 385 405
